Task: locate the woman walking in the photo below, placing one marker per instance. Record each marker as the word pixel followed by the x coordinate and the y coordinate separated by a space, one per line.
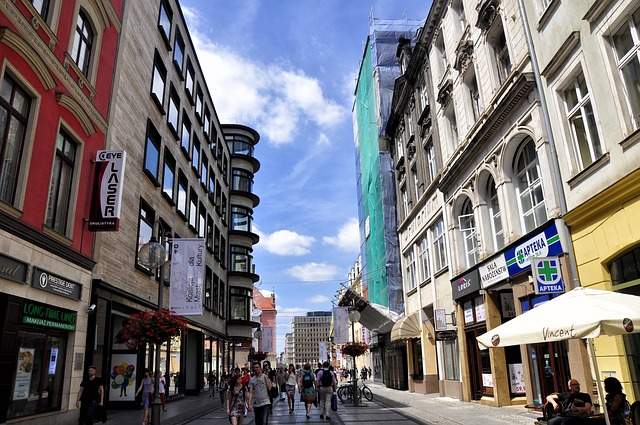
pixel 237 401
pixel 307 387
pixel 290 386
pixel 146 387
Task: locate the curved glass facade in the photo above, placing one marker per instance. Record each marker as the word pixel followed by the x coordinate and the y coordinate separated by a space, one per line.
pixel 242 180
pixel 241 219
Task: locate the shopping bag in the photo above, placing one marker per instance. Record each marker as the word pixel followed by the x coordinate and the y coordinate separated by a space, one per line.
pixel 334 402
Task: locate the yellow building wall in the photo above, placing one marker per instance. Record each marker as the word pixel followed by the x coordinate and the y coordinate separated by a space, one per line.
pixel 596 241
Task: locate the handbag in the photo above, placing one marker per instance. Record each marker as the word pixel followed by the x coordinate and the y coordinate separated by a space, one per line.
pixel 334 402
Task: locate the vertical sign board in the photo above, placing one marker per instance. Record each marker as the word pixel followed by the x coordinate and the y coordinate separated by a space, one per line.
pixel 187 274
pixel 341 325
pixel 547 275
pixel 107 198
pixel 322 348
pixel 441 319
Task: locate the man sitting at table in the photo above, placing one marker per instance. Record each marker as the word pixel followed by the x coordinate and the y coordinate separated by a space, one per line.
pixel 570 407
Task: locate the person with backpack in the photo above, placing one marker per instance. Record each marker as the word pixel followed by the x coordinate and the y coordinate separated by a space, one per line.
pixel 237 401
pixel 327 384
pixel 307 387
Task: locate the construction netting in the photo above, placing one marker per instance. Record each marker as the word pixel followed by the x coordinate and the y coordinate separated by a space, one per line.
pixel 375 172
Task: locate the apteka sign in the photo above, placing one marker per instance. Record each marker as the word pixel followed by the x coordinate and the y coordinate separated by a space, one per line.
pixel 107 198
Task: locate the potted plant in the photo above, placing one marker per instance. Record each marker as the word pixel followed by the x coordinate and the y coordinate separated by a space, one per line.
pixel 354 349
pixel 154 327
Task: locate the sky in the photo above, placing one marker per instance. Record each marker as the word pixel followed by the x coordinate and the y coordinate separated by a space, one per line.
pixel 287 68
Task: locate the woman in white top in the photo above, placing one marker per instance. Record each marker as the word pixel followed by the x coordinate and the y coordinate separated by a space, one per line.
pixel 290 386
pixel 161 391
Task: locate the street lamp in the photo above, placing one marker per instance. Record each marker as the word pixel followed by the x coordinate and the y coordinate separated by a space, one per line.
pixel 154 255
pixel 354 316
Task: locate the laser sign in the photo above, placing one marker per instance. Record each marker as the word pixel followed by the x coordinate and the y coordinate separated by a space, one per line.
pixel 547 275
pixel 107 199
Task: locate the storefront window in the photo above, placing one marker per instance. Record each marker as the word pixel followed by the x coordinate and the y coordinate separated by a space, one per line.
pixel 174 365
pixel 239 303
pixel 451 360
pixel 416 348
pixel 39 373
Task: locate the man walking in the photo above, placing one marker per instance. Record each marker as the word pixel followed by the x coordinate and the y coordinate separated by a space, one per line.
pixel 327 383
pixel 260 386
pixel 90 397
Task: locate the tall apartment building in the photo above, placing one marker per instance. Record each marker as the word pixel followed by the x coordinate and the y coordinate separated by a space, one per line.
pixel 289 349
pixel 308 332
pixel 588 56
pixel 56 66
pixel 376 193
pixel 187 176
pixel 502 205
pixel 433 364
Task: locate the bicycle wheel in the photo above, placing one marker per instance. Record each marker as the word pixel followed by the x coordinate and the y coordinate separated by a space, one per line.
pixel 342 393
pixel 367 393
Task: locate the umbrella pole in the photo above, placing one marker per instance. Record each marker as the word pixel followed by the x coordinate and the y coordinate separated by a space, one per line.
pixel 596 370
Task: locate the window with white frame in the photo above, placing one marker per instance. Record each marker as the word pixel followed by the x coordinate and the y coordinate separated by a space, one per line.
pixel 467 226
pixel 452 124
pixel 497 232
pixel 410 268
pixel 424 99
pixel 431 161
pixel 471 83
pixel 582 122
pixel 439 248
pixel 405 201
pixel 529 186
pixel 441 55
pixel 61 183
pixel 626 45
pixel 423 259
pixel 498 43
pixel 82 42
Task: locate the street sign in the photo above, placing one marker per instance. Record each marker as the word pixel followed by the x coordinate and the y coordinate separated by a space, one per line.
pixel 446 335
pixel 547 275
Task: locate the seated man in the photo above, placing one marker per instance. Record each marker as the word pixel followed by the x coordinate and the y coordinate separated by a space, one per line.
pixel 570 407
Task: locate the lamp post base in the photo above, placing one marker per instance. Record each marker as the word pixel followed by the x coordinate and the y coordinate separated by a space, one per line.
pixel 155 410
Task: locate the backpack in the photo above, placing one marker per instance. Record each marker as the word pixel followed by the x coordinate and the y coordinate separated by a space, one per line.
pixel 326 380
pixel 307 380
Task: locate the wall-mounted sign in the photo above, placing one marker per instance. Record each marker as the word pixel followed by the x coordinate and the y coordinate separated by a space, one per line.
pixel 24 369
pixel 48 316
pixel 12 269
pixel 43 280
pixel 451 335
pixel 441 319
pixel 107 199
pixel 543 244
pixel 547 275
pixel 493 271
pixel 466 284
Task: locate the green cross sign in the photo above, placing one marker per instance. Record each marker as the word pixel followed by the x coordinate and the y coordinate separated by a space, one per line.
pixel 548 270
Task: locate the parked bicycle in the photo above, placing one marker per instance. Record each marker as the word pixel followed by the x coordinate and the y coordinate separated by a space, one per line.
pixel 346 392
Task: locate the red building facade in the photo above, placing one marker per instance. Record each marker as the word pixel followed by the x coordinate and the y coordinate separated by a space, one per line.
pixel 265 301
pixel 57 59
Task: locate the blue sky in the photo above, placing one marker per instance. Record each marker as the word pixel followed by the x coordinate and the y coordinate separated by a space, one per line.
pixel 287 68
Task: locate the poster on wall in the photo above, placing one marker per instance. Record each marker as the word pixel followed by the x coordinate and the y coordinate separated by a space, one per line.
pixel 24 368
pixel 341 325
pixel 516 378
pixel 122 377
pixel 107 199
pixel 187 275
pixel 487 380
pixel 53 360
pixel 508 305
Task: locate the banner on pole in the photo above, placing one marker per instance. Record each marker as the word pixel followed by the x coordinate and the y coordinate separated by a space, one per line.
pixel 340 325
pixel 323 356
pixel 187 275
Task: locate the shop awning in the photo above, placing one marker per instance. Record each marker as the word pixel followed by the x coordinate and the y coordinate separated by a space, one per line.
pixel 407 327
pixel 372 316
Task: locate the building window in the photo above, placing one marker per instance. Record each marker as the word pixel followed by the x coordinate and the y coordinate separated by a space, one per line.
pixel 467 225
pixel 417 185
pixel 14 118
pixel 451 360
pixel 216 294
pixel 626 44
pixel 242 180
pixel 82 42
pixel 218 196
pixel 452 125
pixel 239 303
pixel 174 107
pixel 189 83
pixel 152 153
pixel 410 268
pixel 582 122
pixel 405 202
pixel 458 15
pixel 178 52
pixel 223 206
pixel 208 281
pixel 498 43
pixel 168 176
pixel 439 249
pixel 195 155
pixel 193 210
pixel 146 219
pixel 164 237
pixel 209 235
pixel 240 259
pixel 225 169
pixel 158 81
pixel 164 20
pixel 240 145
pixel 185 138
pixel 204 168
pixel 202 222
pixel 207 122
pixel 61 184
pixel 494 215
pixel 42 7
pixel 431 161
pixel 182 194
pixel 424 259
pixel 223 252
pixel 441 56
pixel 216 243
pixel 474 94
pixel 199 103
pixel 416 351
pixel 212 186
pixel 626 267
pixel 529 187
pixel 241 219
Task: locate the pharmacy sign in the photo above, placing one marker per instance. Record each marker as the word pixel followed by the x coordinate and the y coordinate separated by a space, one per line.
pixel 547 276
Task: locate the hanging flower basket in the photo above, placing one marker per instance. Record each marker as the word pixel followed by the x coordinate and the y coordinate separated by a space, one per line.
pixel 354 349
pixel 258 356
pixel 153 327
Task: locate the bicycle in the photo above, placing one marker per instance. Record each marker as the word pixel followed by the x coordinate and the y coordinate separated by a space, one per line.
pixel 345 392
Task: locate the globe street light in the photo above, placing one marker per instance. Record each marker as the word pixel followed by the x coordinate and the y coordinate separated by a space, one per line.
pixel 154 255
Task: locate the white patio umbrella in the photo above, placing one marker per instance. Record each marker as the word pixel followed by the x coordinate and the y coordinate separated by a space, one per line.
pixel 580 313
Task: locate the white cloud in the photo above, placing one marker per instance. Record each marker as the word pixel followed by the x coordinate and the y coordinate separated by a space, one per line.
pixel 310 272
pixel 319 299
pixel 285 242
pixel 348 237
pixel 275 99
